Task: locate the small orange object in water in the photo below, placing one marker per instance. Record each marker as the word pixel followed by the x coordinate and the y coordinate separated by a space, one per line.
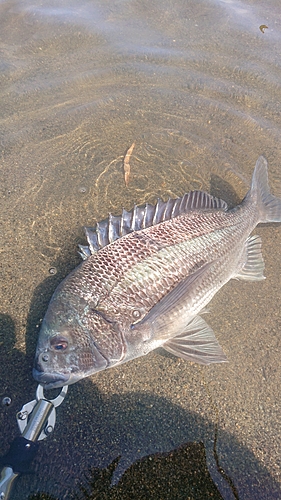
pixel 126 163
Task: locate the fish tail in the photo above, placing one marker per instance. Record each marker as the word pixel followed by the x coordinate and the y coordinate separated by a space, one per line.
pixel 269 206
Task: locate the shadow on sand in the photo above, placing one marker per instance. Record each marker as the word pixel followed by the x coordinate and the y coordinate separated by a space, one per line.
pixel 155 449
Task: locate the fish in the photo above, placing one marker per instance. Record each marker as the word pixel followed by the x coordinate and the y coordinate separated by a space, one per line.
pixel 146 276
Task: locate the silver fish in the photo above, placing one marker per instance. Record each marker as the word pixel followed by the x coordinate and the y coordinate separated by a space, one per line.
pixel 145 278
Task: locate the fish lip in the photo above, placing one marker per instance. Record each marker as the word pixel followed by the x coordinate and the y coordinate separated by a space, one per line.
pixel 51 380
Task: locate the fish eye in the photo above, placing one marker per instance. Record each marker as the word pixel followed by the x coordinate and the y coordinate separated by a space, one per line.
pixel 58 343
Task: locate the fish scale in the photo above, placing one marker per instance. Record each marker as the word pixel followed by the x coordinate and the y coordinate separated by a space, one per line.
pixel 131 254
pixel 164 269
pixel 145 278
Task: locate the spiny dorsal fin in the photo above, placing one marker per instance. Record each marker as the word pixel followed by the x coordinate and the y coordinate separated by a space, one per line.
pixel 115 227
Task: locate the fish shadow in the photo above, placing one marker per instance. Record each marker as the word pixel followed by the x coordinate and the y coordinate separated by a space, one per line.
pixel 145 446
pixel 15 381
pixel 222 189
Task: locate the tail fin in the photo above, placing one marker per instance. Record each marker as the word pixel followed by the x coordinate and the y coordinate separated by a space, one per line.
pixel 269 206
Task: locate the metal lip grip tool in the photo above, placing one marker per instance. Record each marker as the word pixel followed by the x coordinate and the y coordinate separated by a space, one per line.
pixel 36 421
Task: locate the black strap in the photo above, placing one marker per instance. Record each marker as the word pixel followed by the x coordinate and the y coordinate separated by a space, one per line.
pixel 20 455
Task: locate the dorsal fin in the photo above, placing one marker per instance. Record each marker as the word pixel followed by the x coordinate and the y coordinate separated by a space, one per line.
pixel 115 227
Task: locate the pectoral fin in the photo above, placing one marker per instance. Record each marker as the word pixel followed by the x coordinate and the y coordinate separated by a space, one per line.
pixel 197 343
pixel 169 315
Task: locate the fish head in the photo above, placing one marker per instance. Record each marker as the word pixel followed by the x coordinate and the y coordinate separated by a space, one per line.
pixel 66 351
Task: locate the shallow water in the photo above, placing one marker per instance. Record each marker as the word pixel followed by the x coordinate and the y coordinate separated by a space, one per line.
pixel 196 86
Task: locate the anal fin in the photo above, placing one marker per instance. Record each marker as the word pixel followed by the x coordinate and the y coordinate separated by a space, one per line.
pixel 252 269
pixel 196 343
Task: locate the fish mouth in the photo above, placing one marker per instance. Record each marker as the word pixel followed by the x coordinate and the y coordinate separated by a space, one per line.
pixel 50 380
